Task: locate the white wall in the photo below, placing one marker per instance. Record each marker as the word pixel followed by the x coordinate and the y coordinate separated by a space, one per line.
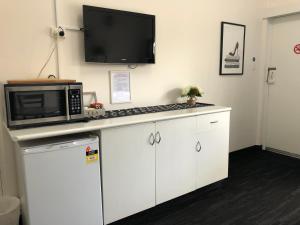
pixel 280 3
pixel 188 45
pixel 280 7
pixel 188 37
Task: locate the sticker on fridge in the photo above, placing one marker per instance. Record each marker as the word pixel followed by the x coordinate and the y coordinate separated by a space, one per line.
pixel 91 155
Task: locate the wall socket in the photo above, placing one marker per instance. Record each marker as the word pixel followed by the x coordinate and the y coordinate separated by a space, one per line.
pixel 57 32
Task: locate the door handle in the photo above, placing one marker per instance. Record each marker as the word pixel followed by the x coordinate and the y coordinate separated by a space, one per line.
pixel 152 139
pixel 157 135
pixel 198 146
pixel 270 70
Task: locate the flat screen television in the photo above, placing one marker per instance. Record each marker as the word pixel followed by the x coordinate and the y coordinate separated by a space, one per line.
pixel 120 37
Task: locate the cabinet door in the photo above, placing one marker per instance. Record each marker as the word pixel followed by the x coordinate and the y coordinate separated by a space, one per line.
pixel 128 170
pixel 213 148
pixel 175 158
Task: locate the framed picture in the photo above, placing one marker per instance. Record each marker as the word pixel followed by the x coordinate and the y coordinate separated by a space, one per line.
pixel 120 87
pixel 232 49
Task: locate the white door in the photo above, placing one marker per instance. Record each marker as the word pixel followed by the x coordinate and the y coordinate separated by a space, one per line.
pixel 283 102
pixel 212 148
pixel 128 170
pixel 175 159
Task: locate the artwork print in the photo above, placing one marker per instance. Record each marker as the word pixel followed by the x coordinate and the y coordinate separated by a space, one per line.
pixel 232 49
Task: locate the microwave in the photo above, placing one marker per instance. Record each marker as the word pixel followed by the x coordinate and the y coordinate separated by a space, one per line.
pixel 41 104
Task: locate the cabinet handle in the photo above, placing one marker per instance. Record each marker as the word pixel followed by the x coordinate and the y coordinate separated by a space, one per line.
pixel 152 139
pixel 198 146
pixel 157 135
pixel 212 122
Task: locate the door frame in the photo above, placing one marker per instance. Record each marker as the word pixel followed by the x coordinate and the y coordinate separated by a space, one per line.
pixel 266 56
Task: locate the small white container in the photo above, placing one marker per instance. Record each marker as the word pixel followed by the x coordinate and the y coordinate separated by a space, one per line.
pixel 94 113
pixel 9 210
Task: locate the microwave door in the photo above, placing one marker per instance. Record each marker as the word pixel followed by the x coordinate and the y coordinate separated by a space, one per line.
pixel 29 106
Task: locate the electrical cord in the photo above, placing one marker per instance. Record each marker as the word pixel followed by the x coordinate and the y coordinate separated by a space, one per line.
pixel 47 61
pixel 51 76
pixel 1 184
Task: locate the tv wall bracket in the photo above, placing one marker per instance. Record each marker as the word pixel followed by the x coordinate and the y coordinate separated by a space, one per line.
pixel 73 28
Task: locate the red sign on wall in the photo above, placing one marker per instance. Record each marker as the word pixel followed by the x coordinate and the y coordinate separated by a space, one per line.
pixel 297 49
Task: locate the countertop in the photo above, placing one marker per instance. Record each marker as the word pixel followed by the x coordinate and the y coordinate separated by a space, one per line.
pixel 80 127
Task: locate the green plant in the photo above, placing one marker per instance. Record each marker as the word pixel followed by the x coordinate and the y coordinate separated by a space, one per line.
pixel 191 92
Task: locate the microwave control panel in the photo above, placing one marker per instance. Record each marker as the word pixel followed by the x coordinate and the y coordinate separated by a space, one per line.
pixel 75 104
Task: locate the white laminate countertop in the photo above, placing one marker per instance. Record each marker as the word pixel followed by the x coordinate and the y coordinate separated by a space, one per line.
pixel 80 127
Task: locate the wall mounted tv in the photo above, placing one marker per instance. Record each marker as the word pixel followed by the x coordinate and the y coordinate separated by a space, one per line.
pixel 120 37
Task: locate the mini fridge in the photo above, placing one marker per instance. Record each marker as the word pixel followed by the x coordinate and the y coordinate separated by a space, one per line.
pixel 60 181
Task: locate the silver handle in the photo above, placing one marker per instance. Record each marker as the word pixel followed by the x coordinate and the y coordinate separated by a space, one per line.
pixel 152 139
pixel 198 146
pixel 270 69
pixel 212 122
pixel 157 135
pixel 67 102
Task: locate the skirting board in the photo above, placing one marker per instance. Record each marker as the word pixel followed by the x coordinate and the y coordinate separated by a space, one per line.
pixel 283 153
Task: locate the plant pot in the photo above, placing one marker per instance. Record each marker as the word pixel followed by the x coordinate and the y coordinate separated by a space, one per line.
pixel 192 101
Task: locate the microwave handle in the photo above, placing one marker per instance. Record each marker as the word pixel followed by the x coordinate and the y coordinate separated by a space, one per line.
pixel 67 102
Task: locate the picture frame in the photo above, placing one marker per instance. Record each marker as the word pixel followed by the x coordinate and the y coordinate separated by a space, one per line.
pixel 232 49
pixel 120 87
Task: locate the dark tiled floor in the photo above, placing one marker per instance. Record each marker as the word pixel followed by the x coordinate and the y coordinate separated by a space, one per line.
pixel 263 189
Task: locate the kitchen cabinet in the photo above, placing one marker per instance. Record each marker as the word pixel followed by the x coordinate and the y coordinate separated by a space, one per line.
pixel 175 167
pixel 146 164
pixel 128 170
pixel 212 148
pixel 148 159
pixel 192 153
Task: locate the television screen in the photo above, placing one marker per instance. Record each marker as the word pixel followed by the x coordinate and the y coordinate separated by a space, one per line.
pixel 114 36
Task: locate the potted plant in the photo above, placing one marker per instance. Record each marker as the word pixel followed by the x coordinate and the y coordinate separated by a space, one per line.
pixel 192 93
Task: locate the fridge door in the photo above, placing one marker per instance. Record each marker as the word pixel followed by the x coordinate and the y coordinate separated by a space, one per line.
pixel 62 183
